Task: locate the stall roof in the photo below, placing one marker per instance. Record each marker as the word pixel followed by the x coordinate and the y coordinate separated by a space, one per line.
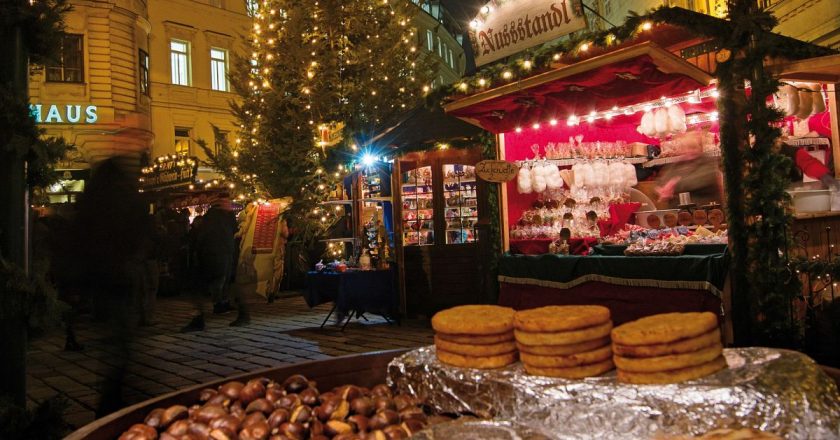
pixel 626 76
pixel 821 69
pixel 423 126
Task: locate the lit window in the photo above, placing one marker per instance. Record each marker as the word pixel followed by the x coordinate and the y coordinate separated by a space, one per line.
pixel 430 40
pixel 69 67
pixel 440 47
pixel 143 62
pixel 218 69
pixel 252 7
pixel 182 141
pixel 180 58
pixel 451 59
pixel 221 140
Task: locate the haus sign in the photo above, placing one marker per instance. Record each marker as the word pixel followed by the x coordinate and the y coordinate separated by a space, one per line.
pixel 63 114
pixel 505 27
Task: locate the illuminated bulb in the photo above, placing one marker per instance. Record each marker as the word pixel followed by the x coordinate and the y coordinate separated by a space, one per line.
pixel 462 86
pixel 536 126
pixel 526 64
pixel 714 116
pixel 518 129
pixel 482 82
pixel 425 89
pixel 323 219
pixel 609 115
pixel 573 120
pixel 556 57
pixel 590 119
pixel 321 186
pixel 647 108
pixel 553 122
pixel 715 94
pixel 668 103
pixel 584 47
pixel 368 159
pixel 474 24
pixel 485 9
pixel 507 74
pixel 646 26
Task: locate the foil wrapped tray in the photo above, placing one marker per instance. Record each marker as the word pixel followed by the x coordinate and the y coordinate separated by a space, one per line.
pixel 778 391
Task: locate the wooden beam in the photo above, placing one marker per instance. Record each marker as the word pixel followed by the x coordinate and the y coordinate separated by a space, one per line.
pixel 503 197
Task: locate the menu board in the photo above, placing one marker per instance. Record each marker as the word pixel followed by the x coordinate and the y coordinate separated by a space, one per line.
pixel 265 228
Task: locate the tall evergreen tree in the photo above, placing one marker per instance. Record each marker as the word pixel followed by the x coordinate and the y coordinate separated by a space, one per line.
pixel 319 66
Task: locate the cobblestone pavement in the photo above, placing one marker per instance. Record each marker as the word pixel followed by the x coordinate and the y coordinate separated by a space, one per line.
pixel 163 360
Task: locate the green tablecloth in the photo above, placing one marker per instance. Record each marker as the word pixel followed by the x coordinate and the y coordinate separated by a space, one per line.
pixel 704 272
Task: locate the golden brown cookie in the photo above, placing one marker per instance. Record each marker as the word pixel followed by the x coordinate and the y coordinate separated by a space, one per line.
pixel 578 372
pixel 475 350
pixel 673 376
pixel 669 362
pixel 682 346
pixel 563 338
pixel 477 339
pixel 572 360
pixel 664 328
pixel 481 362
pixel 474 320
pixel 560 318
pixel 563 350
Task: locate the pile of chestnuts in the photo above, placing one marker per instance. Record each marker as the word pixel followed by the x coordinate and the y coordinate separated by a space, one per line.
pixel 293 410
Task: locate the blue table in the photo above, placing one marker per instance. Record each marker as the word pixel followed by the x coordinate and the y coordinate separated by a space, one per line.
pixel 354 293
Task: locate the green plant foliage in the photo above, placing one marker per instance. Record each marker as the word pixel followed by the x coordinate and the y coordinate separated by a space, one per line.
pixel 312 65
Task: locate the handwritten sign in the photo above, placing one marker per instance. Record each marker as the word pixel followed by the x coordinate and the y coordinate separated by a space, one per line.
pixel 496 170
pixel 516 25
pixel 169 172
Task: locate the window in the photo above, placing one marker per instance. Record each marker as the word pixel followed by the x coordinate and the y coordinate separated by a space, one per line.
pixel 70 63
pixel 221 139
pixel 218 69
pixel 143 62
pixel 430 40
pixel 460 193
pixel 180 58
pixel 182 141
pixel 440 47
pixel 252 7
pixel 451 59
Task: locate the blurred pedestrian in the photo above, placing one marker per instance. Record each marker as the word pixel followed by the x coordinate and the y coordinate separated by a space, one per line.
pixel 216 251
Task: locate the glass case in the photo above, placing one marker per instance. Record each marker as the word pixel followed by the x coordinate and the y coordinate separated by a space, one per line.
pixel 460 203
pixel 417 198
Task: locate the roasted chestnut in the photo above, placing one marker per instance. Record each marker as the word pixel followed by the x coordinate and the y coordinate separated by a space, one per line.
pixel 278 417
pixel 250 419
pixel 208 412
pixel 232 389
pixel 347 436
pixel 309 396
pixel 382 390
pixel 179 428
pixel 376 435
pixel 139 431
pixel 350 392
pixel 384 418
pixel 258 430
pixel 251 392
pixel 222 434
pixel 413 413
pixel 206 394
pixel 173 414
pixel 220 399
pixel 395 432
pixel 363 406
pixel 336 427
pixel 288 401
pixel 199 430
pixel 341 411
pixel 315 427
pixel 300 414
pixel 294 431
pixel 228 423
pixel 382 403
pixel 411 426
pixel 153 419
pixel 359 422
pixel 295 383
pixel 261 405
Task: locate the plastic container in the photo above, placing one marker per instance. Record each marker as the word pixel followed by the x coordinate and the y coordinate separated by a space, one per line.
pixel 815 200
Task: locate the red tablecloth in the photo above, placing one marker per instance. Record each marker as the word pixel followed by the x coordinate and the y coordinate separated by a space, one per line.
pixel 538 246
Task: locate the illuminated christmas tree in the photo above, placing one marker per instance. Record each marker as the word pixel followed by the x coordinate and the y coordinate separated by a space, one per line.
pixel 320 77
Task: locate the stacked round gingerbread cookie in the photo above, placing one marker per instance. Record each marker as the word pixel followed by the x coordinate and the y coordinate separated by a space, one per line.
pixel 668 348
pixel 475 336
pixel 571 342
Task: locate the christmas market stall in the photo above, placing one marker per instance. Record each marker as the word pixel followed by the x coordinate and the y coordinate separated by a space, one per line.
pixel 618 199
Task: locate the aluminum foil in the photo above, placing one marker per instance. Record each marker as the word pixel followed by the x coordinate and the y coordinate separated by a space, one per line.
pixel 778 391
pixel 478 430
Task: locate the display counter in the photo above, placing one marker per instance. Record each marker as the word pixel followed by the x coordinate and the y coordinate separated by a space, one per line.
pixel 632 287
pixel 354 292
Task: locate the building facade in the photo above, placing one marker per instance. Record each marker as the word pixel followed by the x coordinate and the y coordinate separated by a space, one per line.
pixel 440 36
pixel 140 78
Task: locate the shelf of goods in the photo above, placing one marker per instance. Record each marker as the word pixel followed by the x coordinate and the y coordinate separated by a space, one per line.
pixel 337 202
pixel 339 240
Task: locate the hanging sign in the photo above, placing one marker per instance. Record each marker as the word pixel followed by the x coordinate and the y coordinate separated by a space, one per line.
pixel 496 170
pixel 168 172
pixel 265 228
pixel 505 27
pixel 331 134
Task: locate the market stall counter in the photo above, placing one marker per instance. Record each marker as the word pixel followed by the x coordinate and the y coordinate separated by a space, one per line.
pixel 631 287
pixel 354 292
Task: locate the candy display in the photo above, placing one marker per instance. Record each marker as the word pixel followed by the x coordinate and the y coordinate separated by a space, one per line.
pixel 293 409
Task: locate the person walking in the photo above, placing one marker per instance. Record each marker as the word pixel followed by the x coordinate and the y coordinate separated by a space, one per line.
pixel 215 249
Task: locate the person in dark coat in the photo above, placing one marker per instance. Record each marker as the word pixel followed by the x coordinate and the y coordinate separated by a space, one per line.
pixel 216 250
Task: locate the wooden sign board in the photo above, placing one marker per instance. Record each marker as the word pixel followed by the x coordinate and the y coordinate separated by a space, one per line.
pixel 516 25
pixel 496 170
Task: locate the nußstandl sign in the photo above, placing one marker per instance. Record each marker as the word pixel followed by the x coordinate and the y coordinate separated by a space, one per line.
pixel 505 27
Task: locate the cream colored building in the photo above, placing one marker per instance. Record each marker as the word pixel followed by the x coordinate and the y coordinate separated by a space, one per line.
pixel 140 78
pixel 440 36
